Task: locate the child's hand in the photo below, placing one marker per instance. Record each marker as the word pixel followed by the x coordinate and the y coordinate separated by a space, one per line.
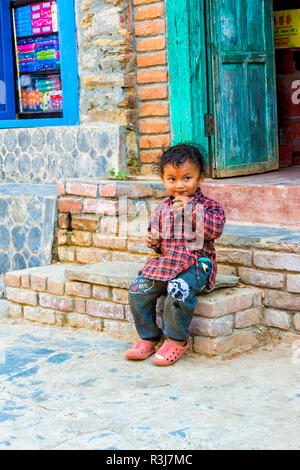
pixel 180 201
pixel 153 239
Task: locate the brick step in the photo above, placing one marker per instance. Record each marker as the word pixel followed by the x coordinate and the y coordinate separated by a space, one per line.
pixel 227 320
pixel 281 198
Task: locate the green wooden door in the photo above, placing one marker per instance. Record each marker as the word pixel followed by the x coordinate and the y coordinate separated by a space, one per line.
pixel 188 71
pixel 242 87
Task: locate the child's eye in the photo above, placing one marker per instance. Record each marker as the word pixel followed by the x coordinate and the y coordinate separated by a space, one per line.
pixel 171 179
pixel 187 177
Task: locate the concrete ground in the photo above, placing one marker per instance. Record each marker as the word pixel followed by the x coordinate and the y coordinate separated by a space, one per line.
pixel 72 389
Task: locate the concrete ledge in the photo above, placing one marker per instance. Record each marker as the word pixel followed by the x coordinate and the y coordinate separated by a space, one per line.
pixel 121 274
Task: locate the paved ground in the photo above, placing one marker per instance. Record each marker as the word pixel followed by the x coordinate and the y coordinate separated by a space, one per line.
pixel 71 389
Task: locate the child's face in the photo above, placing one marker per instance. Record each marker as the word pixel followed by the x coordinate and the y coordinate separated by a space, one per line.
pixel 183 180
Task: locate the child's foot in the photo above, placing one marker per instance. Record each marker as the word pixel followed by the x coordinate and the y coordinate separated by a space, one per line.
pixel 141 349
pixel 169 353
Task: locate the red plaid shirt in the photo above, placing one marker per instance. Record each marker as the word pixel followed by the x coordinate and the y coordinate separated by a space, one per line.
pixel 178 230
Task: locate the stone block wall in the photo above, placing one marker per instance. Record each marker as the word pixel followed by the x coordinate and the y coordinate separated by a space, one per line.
pixel 274 268
pixel 45 155
pixel 226 321
pixel 91 230
pixel 27 225
pixel 105 220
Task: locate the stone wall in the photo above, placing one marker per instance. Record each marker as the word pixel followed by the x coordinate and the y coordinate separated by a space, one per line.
pixel 27 225
pixel 91 230
pixel 45 155
pixel 227 321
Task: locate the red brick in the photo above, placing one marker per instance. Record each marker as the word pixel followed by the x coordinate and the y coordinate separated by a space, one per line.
pixel 152 76
pixel 108 190
pixel 151 44
pixel 248 317
pixel 108 225
pixel 159 108
pixel 102 292
pixel 109 242
pixel 152 92
pixel 120 295
pixel 58 303
pixel 104 309
pixel 38 283
pixel 148 60
pixel 66 254
pixel 12 279
pixel 70 205
pixel 41 315
pixel 149 12
pixel 61 187
pixel 91 255
pixel 242 340
pixel 151 156
pixel 214 327
pixel 142 2
pixel 227 301
pixel 154 126
pixel 261 278
pixel 293 282
pixel 81 189
pixel 80 306
pixel 100 206
pixel 62 237
pixel 64 220
pixel 157 141
pixel 81 238
pixel 55 287
pixel 135 190
pixel 21 296
pixel 149 27
pixel 78 289
pixel 87 223
pixel 25 280
pixel 128 314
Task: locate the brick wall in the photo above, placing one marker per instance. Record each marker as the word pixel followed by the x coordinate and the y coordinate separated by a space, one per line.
pixel 152 81
pixel 90 231
pixel 105 220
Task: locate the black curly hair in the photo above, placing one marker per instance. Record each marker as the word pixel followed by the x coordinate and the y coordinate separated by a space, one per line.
pixel 178 154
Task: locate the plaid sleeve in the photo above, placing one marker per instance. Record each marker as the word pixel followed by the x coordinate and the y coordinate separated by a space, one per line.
pixel 155 226
pixel 214 220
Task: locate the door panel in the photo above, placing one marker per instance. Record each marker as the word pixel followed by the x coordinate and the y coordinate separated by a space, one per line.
pixel 187 71
pixel 243 87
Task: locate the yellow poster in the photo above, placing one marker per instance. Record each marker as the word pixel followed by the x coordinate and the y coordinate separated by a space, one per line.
pixel 287 28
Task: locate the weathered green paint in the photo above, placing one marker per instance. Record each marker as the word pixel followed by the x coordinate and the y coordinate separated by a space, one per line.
pixel 187 70
pixel 228 72
pixel 243 77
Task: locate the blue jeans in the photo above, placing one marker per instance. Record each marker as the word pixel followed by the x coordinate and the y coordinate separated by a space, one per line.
pixel 179 305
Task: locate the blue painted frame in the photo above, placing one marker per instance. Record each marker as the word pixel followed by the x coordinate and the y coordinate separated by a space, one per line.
pixel 69 73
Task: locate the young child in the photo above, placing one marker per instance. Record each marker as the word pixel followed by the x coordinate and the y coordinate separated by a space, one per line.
pixel 183 268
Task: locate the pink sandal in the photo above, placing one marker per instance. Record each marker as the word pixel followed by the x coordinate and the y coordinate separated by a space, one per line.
pixel 169 353
pixel 140 350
